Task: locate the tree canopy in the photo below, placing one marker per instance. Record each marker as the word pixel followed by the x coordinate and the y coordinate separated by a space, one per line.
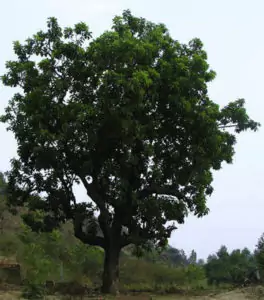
pixel 126 114
pixel 232 267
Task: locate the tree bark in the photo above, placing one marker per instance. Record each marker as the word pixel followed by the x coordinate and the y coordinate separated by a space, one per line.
pixel 111 270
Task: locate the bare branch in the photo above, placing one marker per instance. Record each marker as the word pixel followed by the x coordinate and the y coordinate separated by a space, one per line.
pixel 92 192
pixel 227 126
pixel 163 190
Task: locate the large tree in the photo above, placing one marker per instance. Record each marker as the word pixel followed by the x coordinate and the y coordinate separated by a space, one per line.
pixel 126 114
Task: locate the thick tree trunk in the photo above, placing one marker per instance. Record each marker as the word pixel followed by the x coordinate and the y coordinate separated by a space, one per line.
pixel 111 270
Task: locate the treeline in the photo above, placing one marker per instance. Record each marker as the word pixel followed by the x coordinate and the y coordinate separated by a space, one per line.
pixel 59 257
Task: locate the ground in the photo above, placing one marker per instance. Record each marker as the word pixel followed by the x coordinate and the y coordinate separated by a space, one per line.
pixel 250 293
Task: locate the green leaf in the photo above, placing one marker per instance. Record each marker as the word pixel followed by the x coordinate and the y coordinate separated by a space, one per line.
pixel 128 115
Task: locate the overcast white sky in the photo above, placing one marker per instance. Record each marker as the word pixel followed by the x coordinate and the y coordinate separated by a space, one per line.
pixel 232 32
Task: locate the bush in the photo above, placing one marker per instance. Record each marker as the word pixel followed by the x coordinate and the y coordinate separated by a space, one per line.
pixel 33 291
pixel 137 274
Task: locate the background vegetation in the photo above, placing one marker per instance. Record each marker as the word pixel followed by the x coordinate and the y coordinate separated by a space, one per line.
pixel 61 258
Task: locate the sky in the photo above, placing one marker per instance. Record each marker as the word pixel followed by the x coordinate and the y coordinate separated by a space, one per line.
pixel 232 33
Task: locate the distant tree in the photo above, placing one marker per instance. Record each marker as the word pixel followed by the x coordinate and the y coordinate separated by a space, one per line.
pixel 192 258
pixel 232 268
pixel 222 253
pixel 195 273
pixel 216 270
pixel 175 256
pixel 127 115
pixel 259 254
pixel 201 262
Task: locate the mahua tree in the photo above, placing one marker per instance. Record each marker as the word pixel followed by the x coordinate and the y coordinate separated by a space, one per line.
pixel 126 114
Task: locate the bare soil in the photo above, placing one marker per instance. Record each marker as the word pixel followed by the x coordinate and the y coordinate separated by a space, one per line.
pixel 246 294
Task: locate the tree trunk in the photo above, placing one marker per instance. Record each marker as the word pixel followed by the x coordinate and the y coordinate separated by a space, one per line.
pixel 111 270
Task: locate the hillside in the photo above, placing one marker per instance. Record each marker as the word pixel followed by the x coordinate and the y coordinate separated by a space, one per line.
pixel 61 258
pixel 11 225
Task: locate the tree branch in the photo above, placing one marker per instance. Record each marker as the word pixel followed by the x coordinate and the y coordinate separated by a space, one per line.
pixel 85 238
pixel 135 239
pixel 104 216
pixel 162 190
pixel 93 194
pixel 67 188
pixel 227 126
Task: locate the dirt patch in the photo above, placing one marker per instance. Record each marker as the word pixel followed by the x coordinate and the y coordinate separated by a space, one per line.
pixel 9 295
pixel 244 294
pixel 247 294
pixel 233 295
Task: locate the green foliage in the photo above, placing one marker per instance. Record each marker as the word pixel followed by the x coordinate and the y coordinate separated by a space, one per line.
pixel 33 291
pixel 231 268
pixel 195 273
pixel 42 255
pixel 37 263
pixel 9 241
pixel 9 244
pixel 128 115
pixel 168 255
pixel 130 111
pixel 193 258
pixel 175 257
pixel 259 253
pixel 86 263
pixel 142 275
